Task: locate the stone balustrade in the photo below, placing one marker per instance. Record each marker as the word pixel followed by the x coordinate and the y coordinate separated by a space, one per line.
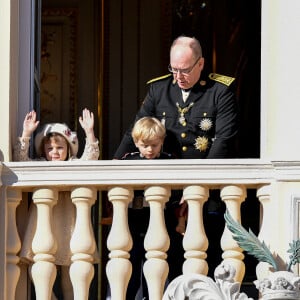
pixel 120 178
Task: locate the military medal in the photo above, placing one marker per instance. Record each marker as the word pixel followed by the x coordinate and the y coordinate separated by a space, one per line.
pixel 206 124
pixel 182 112
pixel 201 143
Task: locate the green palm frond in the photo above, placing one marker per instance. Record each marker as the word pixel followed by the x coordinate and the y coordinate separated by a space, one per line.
pixel 295 253
pixel 249 242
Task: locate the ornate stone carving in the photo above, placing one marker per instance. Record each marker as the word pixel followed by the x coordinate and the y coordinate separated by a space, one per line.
pixel 279 285
pixel 201 287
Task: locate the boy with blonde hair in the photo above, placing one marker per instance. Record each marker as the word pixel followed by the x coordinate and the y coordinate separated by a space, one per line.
pixel 148 134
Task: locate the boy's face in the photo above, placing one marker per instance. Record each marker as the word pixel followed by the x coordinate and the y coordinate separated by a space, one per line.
pixel 56 149
pixel 150 149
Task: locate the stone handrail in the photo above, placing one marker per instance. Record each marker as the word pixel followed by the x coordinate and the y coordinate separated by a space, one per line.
pixel 177 173
pixel 120 178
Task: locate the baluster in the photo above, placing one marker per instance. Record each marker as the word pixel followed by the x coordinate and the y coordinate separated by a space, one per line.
pixel 44 244
pixel 267 222
pixel 82 243
pixel 156 242
pixel 195 242
pixel 119 243
pixel 233 196
pixel 13 243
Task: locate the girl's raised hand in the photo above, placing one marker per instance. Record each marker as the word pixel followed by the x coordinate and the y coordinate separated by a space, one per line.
pixel 87 121
pixel 30 124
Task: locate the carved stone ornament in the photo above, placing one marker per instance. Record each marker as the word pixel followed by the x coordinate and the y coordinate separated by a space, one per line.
pixel 279 285
pixel 201 287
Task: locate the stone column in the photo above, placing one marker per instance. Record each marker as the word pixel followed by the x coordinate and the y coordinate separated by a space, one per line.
pixel 13 243
pixel 119 243
pixel 233 196
pixel 82 243
pixel 195 242
pixel 156 242
pixel 44 244
pixel 267 225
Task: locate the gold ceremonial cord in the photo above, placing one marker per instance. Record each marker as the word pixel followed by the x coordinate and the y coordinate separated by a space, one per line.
pixel 182 112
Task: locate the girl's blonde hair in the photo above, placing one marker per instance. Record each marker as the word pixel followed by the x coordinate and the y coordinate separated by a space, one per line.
pixel 148 128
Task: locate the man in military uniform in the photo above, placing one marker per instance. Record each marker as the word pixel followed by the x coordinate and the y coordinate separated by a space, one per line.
pixel 199 114
pixel 200 117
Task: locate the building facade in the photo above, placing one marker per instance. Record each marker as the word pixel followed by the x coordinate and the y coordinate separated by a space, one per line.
pixel 275 174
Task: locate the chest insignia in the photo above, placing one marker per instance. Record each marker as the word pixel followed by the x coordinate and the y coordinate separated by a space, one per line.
pixel 201 143
pixel 182 111
pixel 206 124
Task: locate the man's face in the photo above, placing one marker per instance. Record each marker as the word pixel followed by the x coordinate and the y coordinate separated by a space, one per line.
pixel 186 67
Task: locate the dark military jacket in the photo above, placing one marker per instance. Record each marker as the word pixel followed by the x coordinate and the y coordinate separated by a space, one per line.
pixel 204 126
pixel 137 155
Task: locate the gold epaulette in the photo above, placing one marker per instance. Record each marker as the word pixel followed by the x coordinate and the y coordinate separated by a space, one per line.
pixel 221 78
pixel 158 78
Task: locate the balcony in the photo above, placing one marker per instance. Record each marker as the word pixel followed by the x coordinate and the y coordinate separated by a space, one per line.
pixel 84 179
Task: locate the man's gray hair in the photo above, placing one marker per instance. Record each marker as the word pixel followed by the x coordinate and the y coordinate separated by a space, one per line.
pixel 191 42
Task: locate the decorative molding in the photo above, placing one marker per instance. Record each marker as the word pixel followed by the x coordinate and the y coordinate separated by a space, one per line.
pixel 197 286
pixel 279 285
pixel 215 173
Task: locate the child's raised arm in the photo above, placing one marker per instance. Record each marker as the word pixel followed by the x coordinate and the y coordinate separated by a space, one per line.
pixel 30 124
pixel 87 123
